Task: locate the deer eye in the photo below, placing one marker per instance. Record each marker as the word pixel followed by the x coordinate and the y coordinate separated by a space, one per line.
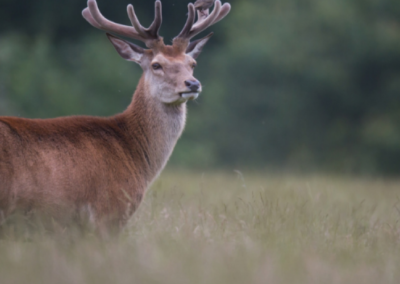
pixel 156 66
pixel 194 65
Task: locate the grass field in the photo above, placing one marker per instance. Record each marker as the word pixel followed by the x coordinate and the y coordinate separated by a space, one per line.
pixel 228 228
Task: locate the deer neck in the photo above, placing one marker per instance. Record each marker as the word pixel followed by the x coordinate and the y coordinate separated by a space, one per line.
pixel 154 129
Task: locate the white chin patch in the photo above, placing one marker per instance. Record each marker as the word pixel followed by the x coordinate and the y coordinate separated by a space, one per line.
pixel 189 96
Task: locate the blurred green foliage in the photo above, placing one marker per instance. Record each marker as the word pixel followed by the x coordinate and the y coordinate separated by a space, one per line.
pixel 310 84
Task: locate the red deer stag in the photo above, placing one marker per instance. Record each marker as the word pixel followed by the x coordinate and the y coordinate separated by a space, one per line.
pixel 59 166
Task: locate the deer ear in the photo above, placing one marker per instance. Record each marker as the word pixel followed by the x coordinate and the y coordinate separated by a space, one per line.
pixel 126 49
pixel 194 49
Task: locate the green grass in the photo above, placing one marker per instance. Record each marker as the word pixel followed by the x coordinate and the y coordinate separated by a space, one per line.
pixel 228 228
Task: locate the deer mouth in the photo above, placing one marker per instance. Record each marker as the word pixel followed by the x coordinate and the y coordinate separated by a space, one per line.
pixel 189 95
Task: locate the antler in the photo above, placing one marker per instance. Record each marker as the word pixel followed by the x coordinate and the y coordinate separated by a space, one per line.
pixel 148 35
pixel 204 20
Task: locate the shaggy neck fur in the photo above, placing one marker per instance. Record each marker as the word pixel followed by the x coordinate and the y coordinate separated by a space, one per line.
pixel 154 128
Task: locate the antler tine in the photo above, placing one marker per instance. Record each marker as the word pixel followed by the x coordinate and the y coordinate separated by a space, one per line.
pixel 225 9
pixel 95 18
pixel 155 26
pixel 135 21
pixel 93 15
pixel 152 31
pixel 189 22
pixel 190 30
pixel 202 24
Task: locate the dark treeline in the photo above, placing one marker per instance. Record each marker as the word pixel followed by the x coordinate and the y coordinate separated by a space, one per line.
pixel 303 84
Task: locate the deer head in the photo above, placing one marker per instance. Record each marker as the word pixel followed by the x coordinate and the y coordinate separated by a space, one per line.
pixel 167 69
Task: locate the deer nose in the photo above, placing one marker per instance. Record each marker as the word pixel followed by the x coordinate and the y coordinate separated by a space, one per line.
pixel 193 85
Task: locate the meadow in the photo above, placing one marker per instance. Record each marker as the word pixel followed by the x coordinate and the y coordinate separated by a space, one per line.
pixel 227 227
